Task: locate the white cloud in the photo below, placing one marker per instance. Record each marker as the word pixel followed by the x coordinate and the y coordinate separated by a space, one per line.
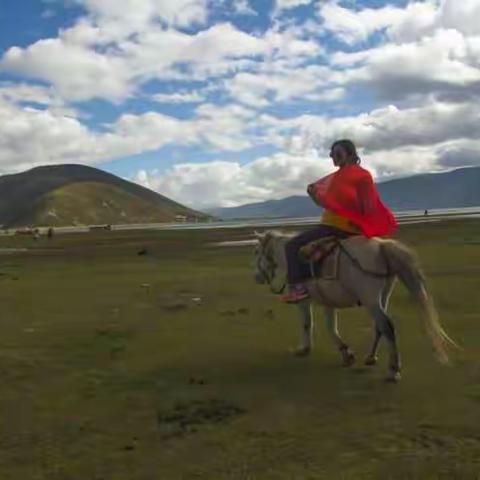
pixel 410 23
pixel 48 13
pixel 417 20
pixel 392 142
pixel 97 58
pixel 289 4
pixel 446 62
pixel 40 96
pixel 98 61
pixel 352 26
pixel 463 16
pixel 77 73
pixel 31 136
pixel 218 128
pixel 389 127
pixel 243 7
pixel 180 97
pixel 229 183
pixel 283 83
pixel 402 24
pixel 423 76
pixel 135 15
pixel 25 93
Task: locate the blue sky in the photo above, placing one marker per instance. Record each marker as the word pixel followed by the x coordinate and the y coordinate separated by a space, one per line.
pixel 224 102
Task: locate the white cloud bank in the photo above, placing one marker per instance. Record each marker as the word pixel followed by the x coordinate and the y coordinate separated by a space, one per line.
pixel 423 76
pixel 392 143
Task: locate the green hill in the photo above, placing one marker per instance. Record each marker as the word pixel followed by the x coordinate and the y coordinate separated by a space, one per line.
pixel 78 195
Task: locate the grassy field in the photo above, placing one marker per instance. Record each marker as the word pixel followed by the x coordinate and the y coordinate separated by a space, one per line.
pixel 175 365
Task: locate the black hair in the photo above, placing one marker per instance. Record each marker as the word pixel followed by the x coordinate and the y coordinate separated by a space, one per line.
pixel 349 147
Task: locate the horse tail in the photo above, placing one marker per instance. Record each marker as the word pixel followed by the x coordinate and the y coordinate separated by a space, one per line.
pixel 404 263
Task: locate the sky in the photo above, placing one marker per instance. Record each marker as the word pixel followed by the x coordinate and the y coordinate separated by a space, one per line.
pixel 226 102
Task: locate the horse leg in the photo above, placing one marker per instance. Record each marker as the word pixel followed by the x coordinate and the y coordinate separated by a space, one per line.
pixel 372 357
pixel 385 325
pixel 385 295
pixel 332 328
pixel 305 308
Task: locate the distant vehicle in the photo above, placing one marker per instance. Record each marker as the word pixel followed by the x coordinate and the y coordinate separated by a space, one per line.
pixel 96 228
pixel 25 231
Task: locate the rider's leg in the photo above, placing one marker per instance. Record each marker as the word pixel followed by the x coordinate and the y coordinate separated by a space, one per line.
pixel 296 270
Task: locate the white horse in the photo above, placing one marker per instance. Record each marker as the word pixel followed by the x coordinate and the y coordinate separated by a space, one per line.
pixel 366 273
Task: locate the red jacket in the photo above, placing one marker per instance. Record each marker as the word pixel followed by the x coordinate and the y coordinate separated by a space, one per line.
pixel 350 192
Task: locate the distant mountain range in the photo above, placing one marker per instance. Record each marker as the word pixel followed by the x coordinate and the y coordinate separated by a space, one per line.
pixel 454 189
pixel 79 195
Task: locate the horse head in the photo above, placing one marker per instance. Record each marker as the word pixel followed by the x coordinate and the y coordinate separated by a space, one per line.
pixel 270 261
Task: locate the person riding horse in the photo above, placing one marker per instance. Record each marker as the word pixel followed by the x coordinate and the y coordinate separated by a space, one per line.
pixel 352 206
pixel 366 267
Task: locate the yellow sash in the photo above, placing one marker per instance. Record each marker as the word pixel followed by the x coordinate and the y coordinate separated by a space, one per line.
pixel 334 220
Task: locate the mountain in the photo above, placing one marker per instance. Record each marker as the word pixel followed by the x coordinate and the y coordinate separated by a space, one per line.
pixel 80 195
pixel 296 206
pixel 455 189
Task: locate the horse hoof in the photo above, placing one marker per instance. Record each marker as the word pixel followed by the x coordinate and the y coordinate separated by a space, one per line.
pixel 348 359
pixel 371 360
pixel 393 377
pixel 301 352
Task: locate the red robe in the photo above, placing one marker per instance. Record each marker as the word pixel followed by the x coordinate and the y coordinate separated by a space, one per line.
pixel 351 193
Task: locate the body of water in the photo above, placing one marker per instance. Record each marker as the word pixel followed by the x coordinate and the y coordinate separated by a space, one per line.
pixel 404 217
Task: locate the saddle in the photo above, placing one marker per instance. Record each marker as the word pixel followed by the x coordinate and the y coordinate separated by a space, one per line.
pixel 322 255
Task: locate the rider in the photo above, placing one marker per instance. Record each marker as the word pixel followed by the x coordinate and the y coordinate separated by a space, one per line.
pixel 352 206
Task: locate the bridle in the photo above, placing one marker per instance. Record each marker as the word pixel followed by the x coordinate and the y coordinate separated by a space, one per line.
pixel 270 274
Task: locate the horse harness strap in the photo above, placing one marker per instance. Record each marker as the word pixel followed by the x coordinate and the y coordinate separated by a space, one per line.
pixel 389 272
pixel 319 251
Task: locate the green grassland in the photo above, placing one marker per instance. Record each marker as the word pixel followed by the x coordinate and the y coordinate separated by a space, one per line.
pixel 175 365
